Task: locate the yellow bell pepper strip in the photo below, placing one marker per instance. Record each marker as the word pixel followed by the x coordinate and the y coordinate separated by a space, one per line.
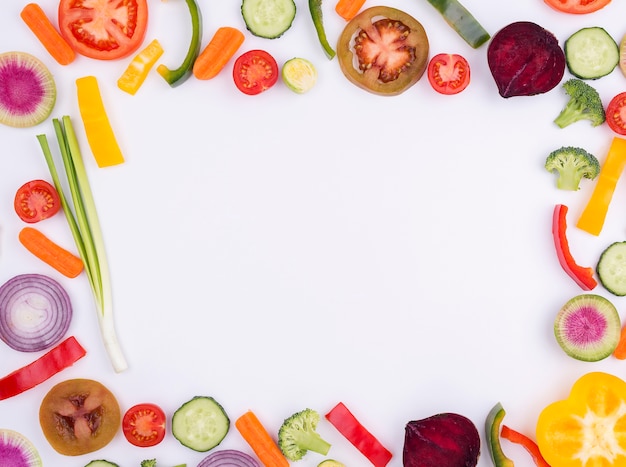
pixel 98 129
pixel 492 431
pixel 593 216
pixel 139 67
pixel 582 275
pixel 177 76
pixel 588 428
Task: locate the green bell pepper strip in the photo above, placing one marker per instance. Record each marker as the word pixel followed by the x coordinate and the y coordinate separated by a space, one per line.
pixel 462 21
pixel 492 430
pixel 315 7
pixel 177 76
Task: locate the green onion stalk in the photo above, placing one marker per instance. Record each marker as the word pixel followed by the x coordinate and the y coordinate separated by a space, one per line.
pixel 83 221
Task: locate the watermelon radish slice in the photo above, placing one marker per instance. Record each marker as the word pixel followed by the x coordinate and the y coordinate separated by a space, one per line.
pixel 17 451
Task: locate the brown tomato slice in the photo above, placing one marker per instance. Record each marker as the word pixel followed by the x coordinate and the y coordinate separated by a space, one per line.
pixel 79 416
pixel 383 50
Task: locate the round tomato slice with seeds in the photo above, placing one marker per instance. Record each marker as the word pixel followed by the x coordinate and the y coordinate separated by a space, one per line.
pixel 143 425
pixel 616 114
pixel 383 50
pixel 103 29
pixel 448 73
pixel 578 7
pixel 79 416
pixel 255 71
pixel 36 200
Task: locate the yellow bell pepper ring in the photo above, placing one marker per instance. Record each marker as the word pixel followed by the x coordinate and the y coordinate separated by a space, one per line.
pixel 588 428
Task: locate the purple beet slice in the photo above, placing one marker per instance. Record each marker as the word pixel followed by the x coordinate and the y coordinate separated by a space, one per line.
pixel 442 440
pixel 525 59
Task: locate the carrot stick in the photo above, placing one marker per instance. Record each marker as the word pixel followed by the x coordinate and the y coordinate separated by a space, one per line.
pixel 50 252
pixel 348 9
pixel 42 27
pixel 225 42
pixel 260 441
pixel 620 350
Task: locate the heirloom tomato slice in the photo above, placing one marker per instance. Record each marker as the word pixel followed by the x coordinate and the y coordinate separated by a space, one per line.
pixel 79 416
pixel 383 50
pixel 448 73
pixel 578 7
pixel 143 425
pixel 103 29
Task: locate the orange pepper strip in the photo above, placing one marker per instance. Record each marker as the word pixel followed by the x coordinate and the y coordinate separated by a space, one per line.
pixel 593 216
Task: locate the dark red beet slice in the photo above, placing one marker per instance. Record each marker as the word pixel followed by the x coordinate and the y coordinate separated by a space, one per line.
pixel 525 59
pixel 443 440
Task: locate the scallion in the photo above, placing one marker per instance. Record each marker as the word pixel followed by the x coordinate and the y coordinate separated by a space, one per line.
pixel 84 224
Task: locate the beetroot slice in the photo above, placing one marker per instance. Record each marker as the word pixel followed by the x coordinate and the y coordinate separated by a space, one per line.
pixel 525 59
pixel 442 440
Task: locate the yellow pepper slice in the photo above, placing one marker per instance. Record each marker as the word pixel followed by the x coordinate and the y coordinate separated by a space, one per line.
pixel 593 216
pixel 138 69
pixel 98 129
pixel 588 428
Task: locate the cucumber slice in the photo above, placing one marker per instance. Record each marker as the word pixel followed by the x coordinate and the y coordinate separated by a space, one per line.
pixel 268 18
pixel 101 463
pixel 591 53
pixel 200 423
pixel 611 268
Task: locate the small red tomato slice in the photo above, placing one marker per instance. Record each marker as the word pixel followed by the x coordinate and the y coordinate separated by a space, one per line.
pixel 255 71
pixel 36 200
pixel 448 73
pixel 144 425
pixel 103 29
pixel 577 7
pixel 616 114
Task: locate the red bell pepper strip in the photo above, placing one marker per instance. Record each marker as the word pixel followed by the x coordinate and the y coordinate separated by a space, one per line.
pixel 583 276
pixel 527 443
pixel 63 355
pixel 347 424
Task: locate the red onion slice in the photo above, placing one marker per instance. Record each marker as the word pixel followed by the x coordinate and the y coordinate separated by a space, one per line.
pixel 35 312
pixel 229 458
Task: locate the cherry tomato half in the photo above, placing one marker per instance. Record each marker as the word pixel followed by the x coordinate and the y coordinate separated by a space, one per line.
pixel 383 50
pixel 143 425
pixel 255 71
pixel 79 416
pixel 103 29
pixel 579 7
pixel 36 200
pixel 616 114
pixel 448 73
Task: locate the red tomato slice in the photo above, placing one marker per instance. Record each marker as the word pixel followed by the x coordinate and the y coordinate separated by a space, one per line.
pixel 144 425
pixel 448 73
pixel 255 71
pixel 36 200
pixel 577 7
pixel 103 29
pixel 616 114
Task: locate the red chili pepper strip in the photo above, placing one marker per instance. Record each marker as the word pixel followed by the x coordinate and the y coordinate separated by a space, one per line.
pixel 347 424
pixel 63 355
pixel 527 443
pixel 583 276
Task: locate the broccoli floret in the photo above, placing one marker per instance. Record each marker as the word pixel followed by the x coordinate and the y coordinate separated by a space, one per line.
pixel 572 164
pixel 148 463
pixel 584 104
pixel 297 435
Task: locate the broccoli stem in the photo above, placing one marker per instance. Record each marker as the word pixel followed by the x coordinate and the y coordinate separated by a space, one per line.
pixel 311 442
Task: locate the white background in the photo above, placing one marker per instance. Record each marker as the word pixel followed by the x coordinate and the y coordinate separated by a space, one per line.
pixel 284 251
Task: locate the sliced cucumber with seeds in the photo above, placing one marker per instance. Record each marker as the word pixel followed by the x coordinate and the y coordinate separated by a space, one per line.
pixel 611 268
pixel 101 463
pixel 591 53
pixel 268 18
pixel 200 423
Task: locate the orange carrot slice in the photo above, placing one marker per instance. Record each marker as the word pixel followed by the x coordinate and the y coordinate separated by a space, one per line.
pixel 260 441
pixel 620 350
pixel 50 252
pixel 225 42
pixel 348 9
pixel 37 21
